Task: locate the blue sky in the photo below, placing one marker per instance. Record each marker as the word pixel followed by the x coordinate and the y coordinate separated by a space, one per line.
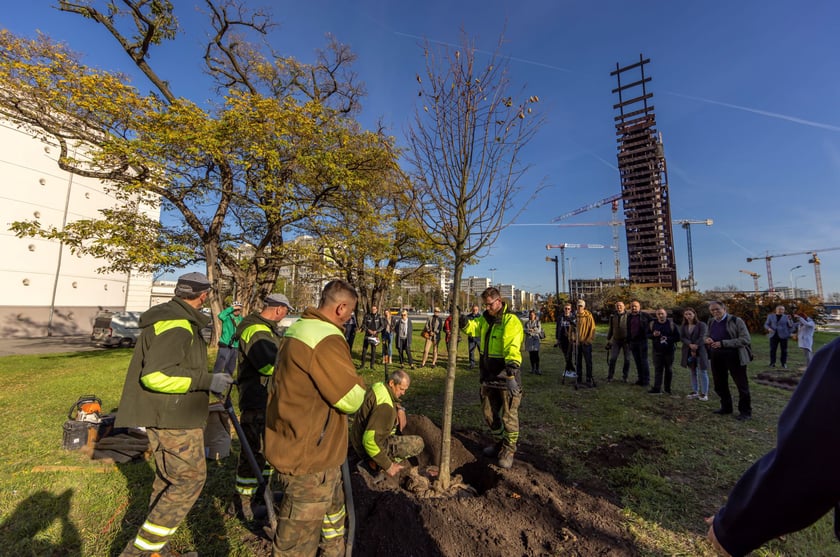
pixel 747 97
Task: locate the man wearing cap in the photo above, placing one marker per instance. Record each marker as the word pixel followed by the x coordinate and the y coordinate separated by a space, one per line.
pixel 258 340
pixel 165 391
pixel 230 318
pixel 315 388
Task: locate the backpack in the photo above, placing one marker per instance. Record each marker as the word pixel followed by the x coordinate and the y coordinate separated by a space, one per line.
pixel 748 346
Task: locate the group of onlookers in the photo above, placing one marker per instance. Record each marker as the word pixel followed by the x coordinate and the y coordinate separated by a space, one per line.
pixel 723 344
pixel 396 331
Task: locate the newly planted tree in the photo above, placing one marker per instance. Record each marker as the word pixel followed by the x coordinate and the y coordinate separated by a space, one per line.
pixel 465 148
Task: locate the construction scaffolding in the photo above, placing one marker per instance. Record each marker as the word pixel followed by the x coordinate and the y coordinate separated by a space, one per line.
pixel 644 182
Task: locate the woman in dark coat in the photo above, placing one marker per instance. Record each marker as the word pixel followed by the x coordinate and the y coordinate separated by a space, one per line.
pixel 533 333
pixel 694 355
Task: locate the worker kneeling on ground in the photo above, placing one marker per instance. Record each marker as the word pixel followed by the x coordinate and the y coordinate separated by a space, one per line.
pixel 376 428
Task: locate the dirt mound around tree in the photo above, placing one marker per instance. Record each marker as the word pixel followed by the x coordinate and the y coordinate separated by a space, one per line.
pixel 525 511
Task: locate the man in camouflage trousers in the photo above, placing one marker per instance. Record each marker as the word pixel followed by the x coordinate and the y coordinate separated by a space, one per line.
pixel 258 340
pixel 375 426
pixel 165 391
pixel 315 388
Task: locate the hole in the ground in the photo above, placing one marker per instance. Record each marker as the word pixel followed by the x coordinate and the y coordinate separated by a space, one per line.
pixel 477 474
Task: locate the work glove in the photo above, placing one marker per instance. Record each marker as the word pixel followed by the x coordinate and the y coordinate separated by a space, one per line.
pixel 513 387
pixel 220 383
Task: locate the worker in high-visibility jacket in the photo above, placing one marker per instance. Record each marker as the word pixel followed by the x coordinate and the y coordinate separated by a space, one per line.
pixel 315 388
pixel 500 335
pixel 258 342
pixel 376 433
pixel 165 391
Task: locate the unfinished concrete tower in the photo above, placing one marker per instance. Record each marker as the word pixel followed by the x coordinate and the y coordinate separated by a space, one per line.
pixel 644 181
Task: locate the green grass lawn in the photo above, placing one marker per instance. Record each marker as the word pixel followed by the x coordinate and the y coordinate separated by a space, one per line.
pixel 667 461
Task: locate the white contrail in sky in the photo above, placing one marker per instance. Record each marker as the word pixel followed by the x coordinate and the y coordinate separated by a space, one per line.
pixel 776 115
pixel 513 58
pixel 606 162
pixel 728 237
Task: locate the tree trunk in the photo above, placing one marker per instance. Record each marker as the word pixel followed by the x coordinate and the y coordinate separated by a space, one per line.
pixel 449 389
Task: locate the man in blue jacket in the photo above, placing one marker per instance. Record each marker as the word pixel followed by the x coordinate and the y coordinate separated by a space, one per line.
pixel 796 483
pixel 779 327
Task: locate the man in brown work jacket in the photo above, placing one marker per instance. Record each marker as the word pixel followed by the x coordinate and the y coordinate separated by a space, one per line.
pixel 315 387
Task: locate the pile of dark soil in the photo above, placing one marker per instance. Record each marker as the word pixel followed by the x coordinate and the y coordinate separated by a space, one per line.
pixel 525 511
pixel 781 378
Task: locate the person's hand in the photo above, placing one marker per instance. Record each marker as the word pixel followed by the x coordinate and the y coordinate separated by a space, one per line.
pixel 513 387
pixel 394 469
pixel 608 345
pixel 220 382
pixel 710 535
pixel 708 341
pixel 693 347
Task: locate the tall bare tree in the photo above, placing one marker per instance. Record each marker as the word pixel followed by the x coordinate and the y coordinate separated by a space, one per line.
pixel 466 152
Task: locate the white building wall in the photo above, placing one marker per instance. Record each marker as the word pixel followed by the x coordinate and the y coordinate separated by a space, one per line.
pixel 45 289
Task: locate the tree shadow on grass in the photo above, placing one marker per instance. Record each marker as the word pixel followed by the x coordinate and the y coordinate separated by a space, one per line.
pixel 19 533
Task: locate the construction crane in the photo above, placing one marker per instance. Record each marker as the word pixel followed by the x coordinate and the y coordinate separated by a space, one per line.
pixel 686 223
pixel 614 223
pixel 611 199
pixel 562 248
pixel 755 277
pixel 814 260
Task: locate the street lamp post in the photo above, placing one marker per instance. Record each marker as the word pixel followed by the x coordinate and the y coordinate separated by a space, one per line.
pixel 571 278
pixel 792 269
pixel 492 275
pixel 555 260
pixel 795 284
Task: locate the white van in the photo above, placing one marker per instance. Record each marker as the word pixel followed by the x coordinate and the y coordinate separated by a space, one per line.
pixel 120 328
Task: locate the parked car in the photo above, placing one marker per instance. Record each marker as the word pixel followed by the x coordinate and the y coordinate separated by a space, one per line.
pixel 112 329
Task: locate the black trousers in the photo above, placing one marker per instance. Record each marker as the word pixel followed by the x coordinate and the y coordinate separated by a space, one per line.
pixel 663 365
pixel 365 346
pixel 584 354
pixel 534 356
pixel 403 349
pixel 775 342
pixel 566 347
pixel 725 362
pixel 640 358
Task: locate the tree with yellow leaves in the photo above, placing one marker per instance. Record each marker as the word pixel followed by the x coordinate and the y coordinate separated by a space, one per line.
pixel 236 175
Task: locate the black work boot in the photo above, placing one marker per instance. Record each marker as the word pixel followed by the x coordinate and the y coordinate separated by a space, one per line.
pixel 492 450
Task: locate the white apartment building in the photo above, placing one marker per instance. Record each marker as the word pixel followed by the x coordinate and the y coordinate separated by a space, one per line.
pixel 44 289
